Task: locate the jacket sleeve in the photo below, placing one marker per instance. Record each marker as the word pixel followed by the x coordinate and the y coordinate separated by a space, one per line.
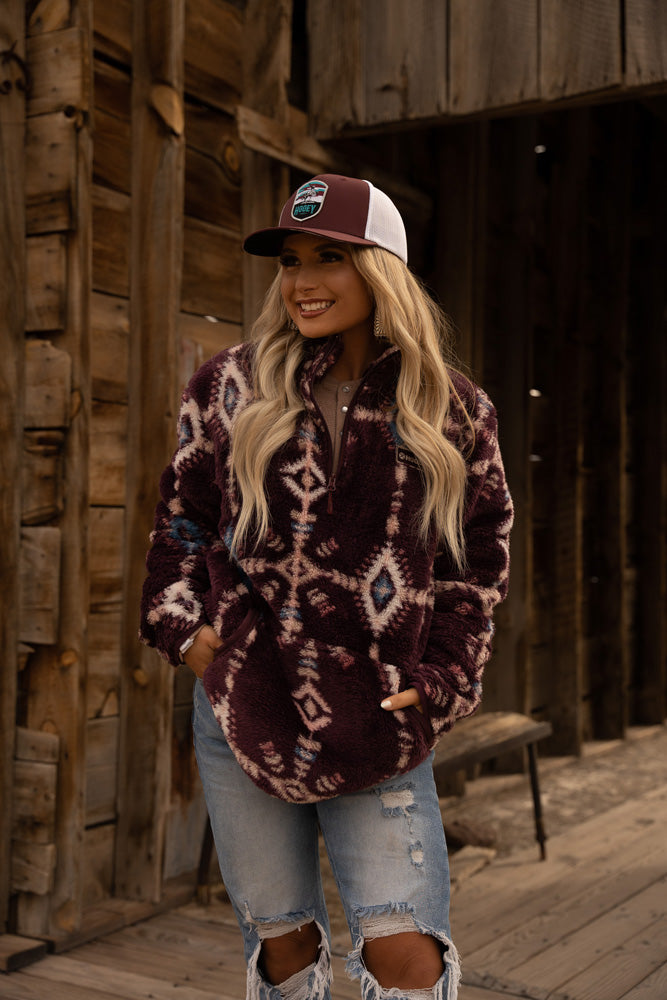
pixel 449 678
pixel 185 540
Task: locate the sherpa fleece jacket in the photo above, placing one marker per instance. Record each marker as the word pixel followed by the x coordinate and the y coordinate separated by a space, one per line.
pixel 342 605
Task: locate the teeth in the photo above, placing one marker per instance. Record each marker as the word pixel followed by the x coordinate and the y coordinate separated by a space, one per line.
pixel 313 306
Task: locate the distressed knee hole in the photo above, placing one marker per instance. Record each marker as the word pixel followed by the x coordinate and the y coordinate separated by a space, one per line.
pixel 294 982
pixel 390 919
pixel 398 800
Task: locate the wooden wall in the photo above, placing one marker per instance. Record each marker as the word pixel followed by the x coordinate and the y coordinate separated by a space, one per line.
pixel 132 210
pixel 555 225
pixel 131 161
pixel 380 62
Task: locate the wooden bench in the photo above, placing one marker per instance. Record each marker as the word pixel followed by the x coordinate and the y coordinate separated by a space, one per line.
pixel 489 735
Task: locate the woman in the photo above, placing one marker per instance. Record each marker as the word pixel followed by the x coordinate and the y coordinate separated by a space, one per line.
pixel 331 541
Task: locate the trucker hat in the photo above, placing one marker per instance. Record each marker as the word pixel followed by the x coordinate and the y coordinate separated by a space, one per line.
pixel 342 208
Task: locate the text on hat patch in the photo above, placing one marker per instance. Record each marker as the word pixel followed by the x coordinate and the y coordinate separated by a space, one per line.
pixel 308 200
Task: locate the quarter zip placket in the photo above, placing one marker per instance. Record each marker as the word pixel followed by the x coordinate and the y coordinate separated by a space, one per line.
pixel 332 473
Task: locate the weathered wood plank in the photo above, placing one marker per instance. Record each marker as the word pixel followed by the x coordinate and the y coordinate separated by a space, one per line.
pixel 213 179
pixel 101 769
pixel 50 171
pixel 112 25
pixel 48 15
pixel 135 986
pixel 58 62
pixel 111 241
pixel 106 558
pixel 33 867
pixel 634 934
pixel 211 277
pixel 610 887
pixel 492 55
pixel 12 366
pixel 266 52
pixel 265 190
pixel 156 252
pixel 337 57
pixel 200 339
pixel 34 744
pixel 103 681
pixel 108 454
pixel 48 379
pixel 41 476
pixel 39 592
pixel 34 816
pixel 98 855
pixel 30 987
pixel 46 277
pixel 290 143
pixel 645 42
pixel 580 47
pixel 486 910
pixel 15 952
pixel 213 45
pixel 109 348
pixel 412 36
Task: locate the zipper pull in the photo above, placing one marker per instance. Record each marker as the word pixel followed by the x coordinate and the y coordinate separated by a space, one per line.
pixel 331 486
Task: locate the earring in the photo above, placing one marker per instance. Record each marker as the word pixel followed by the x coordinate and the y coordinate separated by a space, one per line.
pixel 291 325
pixel 377 329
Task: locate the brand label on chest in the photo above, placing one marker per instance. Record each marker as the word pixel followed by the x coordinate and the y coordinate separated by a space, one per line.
pixel 406 457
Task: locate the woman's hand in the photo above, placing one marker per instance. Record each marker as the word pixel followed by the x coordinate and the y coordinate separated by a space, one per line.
pixel 402 700
pixel 202 650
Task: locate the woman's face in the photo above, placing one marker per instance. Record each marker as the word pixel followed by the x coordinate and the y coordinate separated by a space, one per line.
pixel 322 289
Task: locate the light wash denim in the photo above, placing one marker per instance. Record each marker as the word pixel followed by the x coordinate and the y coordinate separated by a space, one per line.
pixel 387 851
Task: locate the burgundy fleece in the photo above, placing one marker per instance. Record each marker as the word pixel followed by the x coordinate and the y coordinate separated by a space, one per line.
pixel 341 605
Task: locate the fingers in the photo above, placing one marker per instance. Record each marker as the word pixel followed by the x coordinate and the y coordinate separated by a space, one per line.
pixel 202 650
pixel 401 700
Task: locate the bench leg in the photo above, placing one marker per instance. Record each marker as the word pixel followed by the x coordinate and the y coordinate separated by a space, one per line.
pixel 537 801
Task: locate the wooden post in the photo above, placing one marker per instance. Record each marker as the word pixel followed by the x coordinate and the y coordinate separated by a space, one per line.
pixel 265 181
pixel 56 673
pixel 508 325
pixel 609 206
pixel 12 280
pixel 158 158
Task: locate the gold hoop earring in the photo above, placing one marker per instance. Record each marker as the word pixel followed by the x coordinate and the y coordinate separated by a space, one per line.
pixel 377 328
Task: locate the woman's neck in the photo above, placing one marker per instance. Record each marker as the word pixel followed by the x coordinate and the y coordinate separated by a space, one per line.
pixel 355 358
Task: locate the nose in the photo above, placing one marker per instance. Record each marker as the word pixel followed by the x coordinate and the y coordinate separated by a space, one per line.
pixel 306 278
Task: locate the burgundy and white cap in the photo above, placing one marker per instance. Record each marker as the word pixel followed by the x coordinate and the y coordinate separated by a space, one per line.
pixel 341 208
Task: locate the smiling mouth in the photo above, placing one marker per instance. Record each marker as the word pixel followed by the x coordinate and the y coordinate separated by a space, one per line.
pixel 314 308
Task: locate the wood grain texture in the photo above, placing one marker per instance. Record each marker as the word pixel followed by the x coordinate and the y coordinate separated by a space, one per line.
pixel 156 247
pixel 399 40
pixel 645 42
pixel 493 56
pixel 12 365
pixel 580 46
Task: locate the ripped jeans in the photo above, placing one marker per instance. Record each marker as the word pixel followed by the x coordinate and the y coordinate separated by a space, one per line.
pixel 386 846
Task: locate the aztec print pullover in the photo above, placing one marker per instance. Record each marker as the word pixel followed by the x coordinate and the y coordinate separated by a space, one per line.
pixel 342 605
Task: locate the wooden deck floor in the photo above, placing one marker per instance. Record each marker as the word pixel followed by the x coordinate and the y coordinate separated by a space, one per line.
pixel 590 923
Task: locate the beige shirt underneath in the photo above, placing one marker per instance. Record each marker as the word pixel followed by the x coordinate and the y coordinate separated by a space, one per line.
pixel 333 398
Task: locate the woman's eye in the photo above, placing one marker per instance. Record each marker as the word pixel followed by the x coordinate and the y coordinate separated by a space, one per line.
pixel 286 260
pixel 331 257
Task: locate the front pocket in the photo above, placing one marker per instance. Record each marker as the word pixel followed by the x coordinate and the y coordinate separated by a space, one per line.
pixel 239 634
pixel 304 718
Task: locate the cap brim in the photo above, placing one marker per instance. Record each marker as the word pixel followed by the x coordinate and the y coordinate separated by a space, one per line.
pixel 269 242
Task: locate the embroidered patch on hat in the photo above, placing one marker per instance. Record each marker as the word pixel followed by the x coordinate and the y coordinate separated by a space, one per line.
pixel 309 200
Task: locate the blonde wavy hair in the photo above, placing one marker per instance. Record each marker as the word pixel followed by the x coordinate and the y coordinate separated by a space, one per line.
pixel 410 319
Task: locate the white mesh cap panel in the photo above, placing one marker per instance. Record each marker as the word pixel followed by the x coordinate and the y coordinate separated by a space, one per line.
pixel 384 224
